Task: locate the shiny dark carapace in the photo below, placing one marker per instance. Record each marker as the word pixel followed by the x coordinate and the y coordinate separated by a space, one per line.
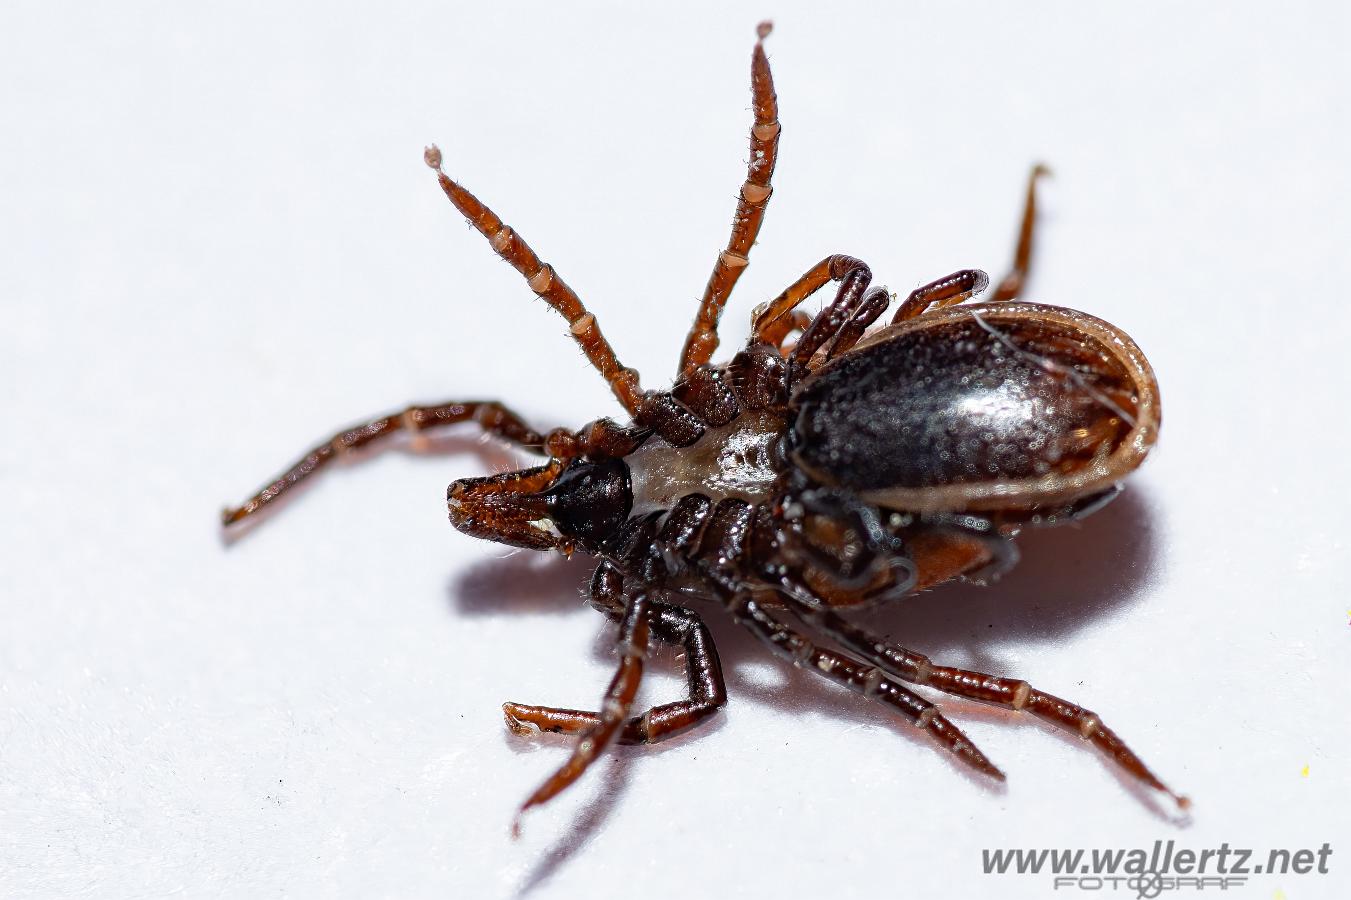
pixel 991 406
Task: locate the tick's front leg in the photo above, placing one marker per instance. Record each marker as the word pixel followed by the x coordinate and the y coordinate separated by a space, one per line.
pixel 494 418
pixel 750 213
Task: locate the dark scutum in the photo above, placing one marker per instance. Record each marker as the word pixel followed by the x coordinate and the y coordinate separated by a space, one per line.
pixel 972 400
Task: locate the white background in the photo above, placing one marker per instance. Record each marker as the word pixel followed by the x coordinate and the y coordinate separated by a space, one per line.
pixel 218 242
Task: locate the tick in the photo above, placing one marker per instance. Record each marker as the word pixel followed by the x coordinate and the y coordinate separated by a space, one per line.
pixel 829 466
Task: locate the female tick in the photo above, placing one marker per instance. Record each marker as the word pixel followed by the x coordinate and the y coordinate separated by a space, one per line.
pixel 828 466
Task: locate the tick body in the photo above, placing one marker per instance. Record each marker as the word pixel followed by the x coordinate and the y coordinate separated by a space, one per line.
pixel 837 461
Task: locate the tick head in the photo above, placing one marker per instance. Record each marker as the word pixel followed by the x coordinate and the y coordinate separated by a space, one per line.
pixel 508 509
pixel 558 506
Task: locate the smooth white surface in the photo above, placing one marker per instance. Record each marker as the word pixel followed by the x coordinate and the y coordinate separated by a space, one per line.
pixel 219 242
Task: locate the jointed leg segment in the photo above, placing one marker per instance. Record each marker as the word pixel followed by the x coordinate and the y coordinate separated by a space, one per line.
pixel 873 304
pixel 777 334
pixel 776 318
pixel 707 693
pixel 546 283
pixel 750 213
pixel 952 289
pixel 492 416
pixel 858 677
pixel 1010 693
pixel 1012 284
pixel 633 638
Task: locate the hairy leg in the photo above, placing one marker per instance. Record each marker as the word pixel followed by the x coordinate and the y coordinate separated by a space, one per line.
pixel 858 677
pixel 945 291
pixel 873 304
pixel 546 283
pixel 778 333
pixel 491 416
pixel 766 321
pixel 750 213
pixel 1010 693
pixel 614 708
pixel 673 625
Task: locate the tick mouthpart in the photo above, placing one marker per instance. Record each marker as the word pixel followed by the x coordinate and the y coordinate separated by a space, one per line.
pixel 482 508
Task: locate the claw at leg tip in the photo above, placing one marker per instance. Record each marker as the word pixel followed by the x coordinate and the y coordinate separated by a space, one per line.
pixel 431 155
pixel 764 28
pixel 513 720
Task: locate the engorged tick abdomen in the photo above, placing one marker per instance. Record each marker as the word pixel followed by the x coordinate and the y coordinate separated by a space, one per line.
pixel 976 397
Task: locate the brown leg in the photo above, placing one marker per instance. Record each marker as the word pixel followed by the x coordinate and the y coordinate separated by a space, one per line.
pixel 614 708
pixel 858 677
pixel 545 283
pixel 1012 284
pixel 1007 692
pixel 703 674
pixel 945 291
pixel 778 333
pixel 767 319
pixel 492 417
pixel 873 304
pixel 670 624
pixel 750 212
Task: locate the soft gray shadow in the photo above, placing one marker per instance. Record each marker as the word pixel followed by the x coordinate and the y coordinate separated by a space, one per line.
pixel 615 781
pixel 524 582
pixel 1069 579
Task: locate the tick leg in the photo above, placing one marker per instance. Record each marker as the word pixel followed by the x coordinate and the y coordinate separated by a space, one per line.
pixel 945 291
pixel 614 707
pixel 670 624
pixel 778 333
pixel 703 673
pixel 492 417
pixel 854 277
pixel 873 304
pixel 1010 693
pixel 858 677
pixel 1012 284
pixel 750 212
pixel 546 283
pixel 766 321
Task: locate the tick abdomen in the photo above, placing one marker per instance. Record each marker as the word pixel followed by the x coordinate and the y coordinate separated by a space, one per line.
pixel 988 397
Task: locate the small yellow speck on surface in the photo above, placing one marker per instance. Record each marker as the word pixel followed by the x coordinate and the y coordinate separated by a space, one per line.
pixel 1279 894
pixel 1304 771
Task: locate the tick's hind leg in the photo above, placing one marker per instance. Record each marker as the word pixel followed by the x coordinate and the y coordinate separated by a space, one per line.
pixel 750 212
pixel 670 624
pixel 614 708
pixel 703 673
pixel 1007 692
pixel 1011 285
pixel 492 417
pixel 858 677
